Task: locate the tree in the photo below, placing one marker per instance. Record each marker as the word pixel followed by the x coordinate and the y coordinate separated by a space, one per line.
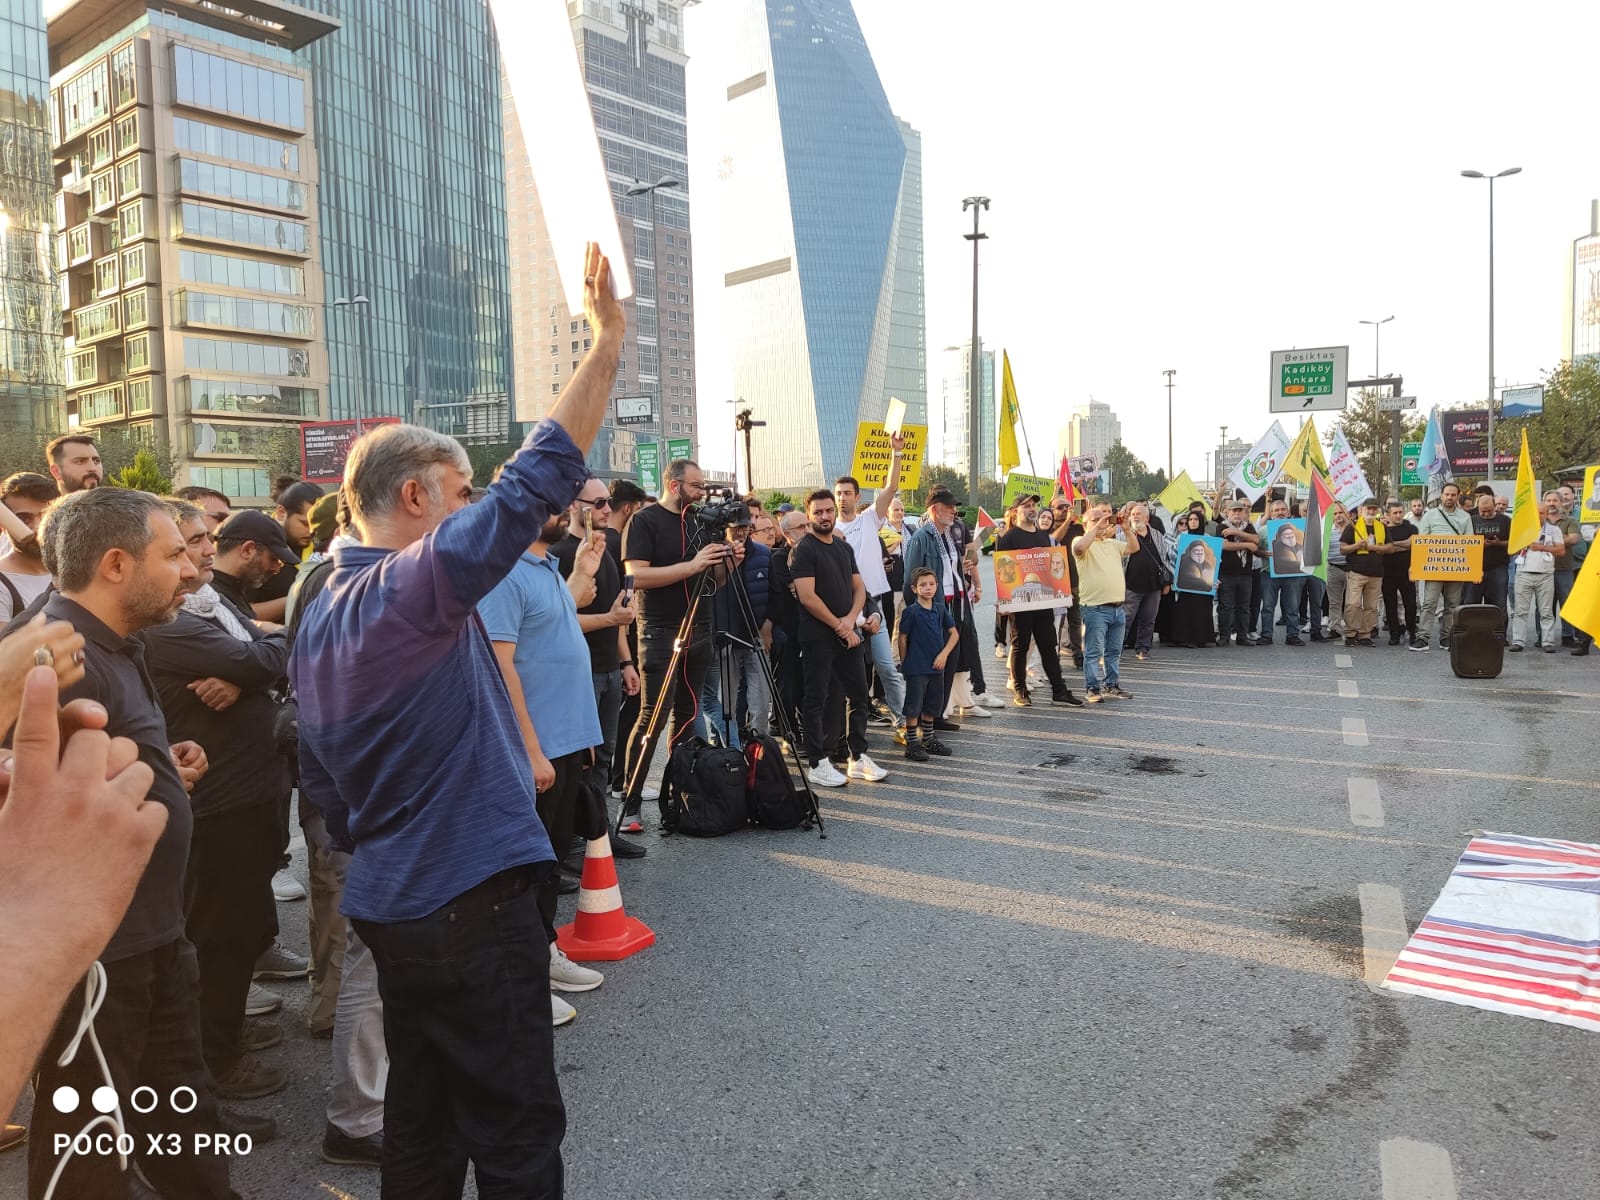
pixel 775 499
pixel 1567 432
pixel 143 474
pixel 1131 479
pixel 278 452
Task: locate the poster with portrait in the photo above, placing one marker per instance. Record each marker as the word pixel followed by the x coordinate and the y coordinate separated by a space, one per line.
pixel 1031 579
pixel 1589 511
pixel 1198 556
pixel 1286 548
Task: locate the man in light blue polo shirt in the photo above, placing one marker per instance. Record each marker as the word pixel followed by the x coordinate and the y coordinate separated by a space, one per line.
pixel 531 617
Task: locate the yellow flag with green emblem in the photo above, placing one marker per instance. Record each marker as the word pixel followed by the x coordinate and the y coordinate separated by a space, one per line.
pixel 1305 456
pixel 1526 520
pixel 1010 414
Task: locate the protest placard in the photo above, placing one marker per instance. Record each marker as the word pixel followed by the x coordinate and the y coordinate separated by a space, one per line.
pixel 1198 555
pixel 1285 548
pixel 1447 556
pixel 1018 484
pixel 1030 579
pixel 870 463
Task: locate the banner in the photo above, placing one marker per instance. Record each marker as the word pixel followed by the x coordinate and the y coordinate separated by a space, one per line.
pixel 1030 579
pixel 1526 521
pixel 324 446
pixel 1590 499
pixel 1260 467
pixel 1582 608
pixel 1198 555
pixel 1018 484
pixel 870 462
pixel 1010 415
pixel 1305 456
pixel 678 448
pixel 649 454
pixel 1448 556
pixel 1433 463
pixel 1285 547
pixel 1085 464
pixel 1350 486
pixel 1179 494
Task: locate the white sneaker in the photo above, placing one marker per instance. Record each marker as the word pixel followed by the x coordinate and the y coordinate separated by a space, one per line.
pixel 825 774
pixel 286 887
pixel 865 768
pixel 568 976
pixel 988 701
pixel 650 793
pixel 977 710
pixel 1000 652
pixel 561 1013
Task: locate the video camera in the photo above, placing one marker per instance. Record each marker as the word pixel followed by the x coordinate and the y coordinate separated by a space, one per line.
pixel 721 508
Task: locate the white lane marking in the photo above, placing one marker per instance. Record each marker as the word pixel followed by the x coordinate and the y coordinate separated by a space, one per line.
pixel 1355 731
pixel 1415 1170
pixel 1366 806
pixel 1348 690
pixel 1343 660
pixel 1383 930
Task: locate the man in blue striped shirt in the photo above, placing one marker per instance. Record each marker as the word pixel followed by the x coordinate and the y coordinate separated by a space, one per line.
pixel 409 747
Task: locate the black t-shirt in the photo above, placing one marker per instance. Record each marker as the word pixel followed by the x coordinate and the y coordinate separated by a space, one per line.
pixel 659 537
pixel 1497 526
pixel 832 567
pixel 1065 537
pixel 1236 562
pixel 783 610
pixel 1398 565
pixel 607 583
pixel 1142 575
pixel 1360 563
pixel 1017 538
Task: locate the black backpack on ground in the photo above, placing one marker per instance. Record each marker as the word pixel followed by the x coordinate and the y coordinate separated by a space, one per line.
pixel 703 794
pixel 773 800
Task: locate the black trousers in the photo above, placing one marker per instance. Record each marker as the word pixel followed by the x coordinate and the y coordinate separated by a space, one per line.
pixel 149 1031
pixel 1233 606
pixel 472 1074
pixel 230 917
pixel 970 653
pixel 557 808
pixel 1400 593
pixel 627 718
pixel 1035 627
pixel 788 667
pixel 655 652
pixel 835 674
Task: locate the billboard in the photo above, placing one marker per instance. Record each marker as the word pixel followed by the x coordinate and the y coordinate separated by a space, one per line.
pixel 1466 439
pixel 324 445
pixel 1586 297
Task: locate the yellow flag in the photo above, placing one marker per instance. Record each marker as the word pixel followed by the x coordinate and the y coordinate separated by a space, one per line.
pixel 1305 456
pixel 1179 494
pixel 1582 608
pixel 1526 521
pixel 1010 414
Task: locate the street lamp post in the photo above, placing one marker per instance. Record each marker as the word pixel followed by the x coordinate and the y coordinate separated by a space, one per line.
pixel 1377 373
pixel 975 382
pixel 1169 374
pixel 358 304
pixel 649 190
pixel 1489 465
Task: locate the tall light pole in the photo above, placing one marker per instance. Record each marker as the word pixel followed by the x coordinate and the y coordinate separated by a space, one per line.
pixel 358 304
pixel 975 383
pixel 1377 373
pixel 649 190
pixel 1169 375
pixel 1489 465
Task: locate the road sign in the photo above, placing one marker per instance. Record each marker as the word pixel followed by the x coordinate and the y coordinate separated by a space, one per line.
pixel 650 467
pixel 1410 465
pixel 1392 404
pixel 1309 380
pixel 679 448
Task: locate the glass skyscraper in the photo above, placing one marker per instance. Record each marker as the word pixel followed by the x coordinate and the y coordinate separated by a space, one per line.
pixel 816 212
pixel 30 299
pixel 413 213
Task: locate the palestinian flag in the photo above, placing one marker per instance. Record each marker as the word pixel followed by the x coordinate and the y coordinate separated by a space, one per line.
pixel 1319 526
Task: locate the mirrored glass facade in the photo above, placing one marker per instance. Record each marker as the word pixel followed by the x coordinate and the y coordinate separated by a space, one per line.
pixel 406 100
pixel 30 301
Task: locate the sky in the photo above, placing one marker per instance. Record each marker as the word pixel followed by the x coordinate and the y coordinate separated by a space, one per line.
pixel 1194 186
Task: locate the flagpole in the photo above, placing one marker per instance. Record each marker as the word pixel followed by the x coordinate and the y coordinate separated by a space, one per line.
pixel 1023 425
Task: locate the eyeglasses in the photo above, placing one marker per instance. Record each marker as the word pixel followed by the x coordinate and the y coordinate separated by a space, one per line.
pixel 603 502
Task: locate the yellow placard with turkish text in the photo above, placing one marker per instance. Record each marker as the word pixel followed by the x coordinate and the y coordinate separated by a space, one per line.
pixel 1447 556
pixel 870 463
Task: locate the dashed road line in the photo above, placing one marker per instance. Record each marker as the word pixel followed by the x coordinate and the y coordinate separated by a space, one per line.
pixel 1348 690
pixel 1415 1170
pixel 1383 930
pixel 1343 660
pixel 1366 806
pixel 1355 731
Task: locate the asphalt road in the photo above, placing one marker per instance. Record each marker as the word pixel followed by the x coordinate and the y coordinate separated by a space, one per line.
pixel 1116 952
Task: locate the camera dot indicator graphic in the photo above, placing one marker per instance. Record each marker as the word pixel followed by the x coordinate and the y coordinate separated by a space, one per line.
pixel 65 1099
pixel 144 1100
pixel 183 1099
pixel 104 1099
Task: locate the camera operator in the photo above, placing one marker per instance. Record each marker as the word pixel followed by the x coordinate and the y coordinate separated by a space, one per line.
pixel 665 549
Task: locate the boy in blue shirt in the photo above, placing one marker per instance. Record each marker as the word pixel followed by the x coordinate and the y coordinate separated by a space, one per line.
pixel 927 638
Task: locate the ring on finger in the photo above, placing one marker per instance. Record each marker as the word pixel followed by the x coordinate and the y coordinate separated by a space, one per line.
pixel 589 280
pixel 44 657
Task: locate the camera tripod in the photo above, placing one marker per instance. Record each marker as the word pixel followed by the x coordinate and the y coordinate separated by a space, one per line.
pixel 723 643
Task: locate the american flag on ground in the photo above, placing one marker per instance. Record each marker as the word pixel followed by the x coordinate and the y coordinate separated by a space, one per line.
pixel 1516 930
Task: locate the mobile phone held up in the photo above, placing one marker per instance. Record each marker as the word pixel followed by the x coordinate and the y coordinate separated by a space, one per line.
pixel 627 590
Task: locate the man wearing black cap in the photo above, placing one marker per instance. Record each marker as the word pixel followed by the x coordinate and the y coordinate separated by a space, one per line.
pixel 1038 625
pixel 251 549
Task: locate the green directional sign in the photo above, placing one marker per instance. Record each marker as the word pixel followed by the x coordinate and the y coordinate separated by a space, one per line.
pixel 679 448
pixel 1309 380
pixel 650 467
pixel 1306 379
pixel 1410 460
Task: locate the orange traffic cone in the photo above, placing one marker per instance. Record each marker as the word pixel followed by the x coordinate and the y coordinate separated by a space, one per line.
pixel 602 931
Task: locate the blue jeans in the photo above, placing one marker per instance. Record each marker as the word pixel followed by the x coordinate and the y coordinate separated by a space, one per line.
pixel 881 647
pixel 750 682
pixel 1102 638
pixel 1289 591
pixel 472 1073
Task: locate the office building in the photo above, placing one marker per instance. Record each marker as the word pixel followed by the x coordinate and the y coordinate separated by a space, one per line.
pixel 955 446
pixel 814 208
pixel 1582 334
pixel 1092 428
pixel 412 206
pixel 190 276
pixel 633 64
pixel 30 302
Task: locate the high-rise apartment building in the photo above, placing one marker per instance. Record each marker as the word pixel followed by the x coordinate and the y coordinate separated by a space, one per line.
pixel 814 208
pixel 188 251
pixel 30 301
pixel 412 206
pixel 633 64
pixel 1092 428
pixel 955 438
